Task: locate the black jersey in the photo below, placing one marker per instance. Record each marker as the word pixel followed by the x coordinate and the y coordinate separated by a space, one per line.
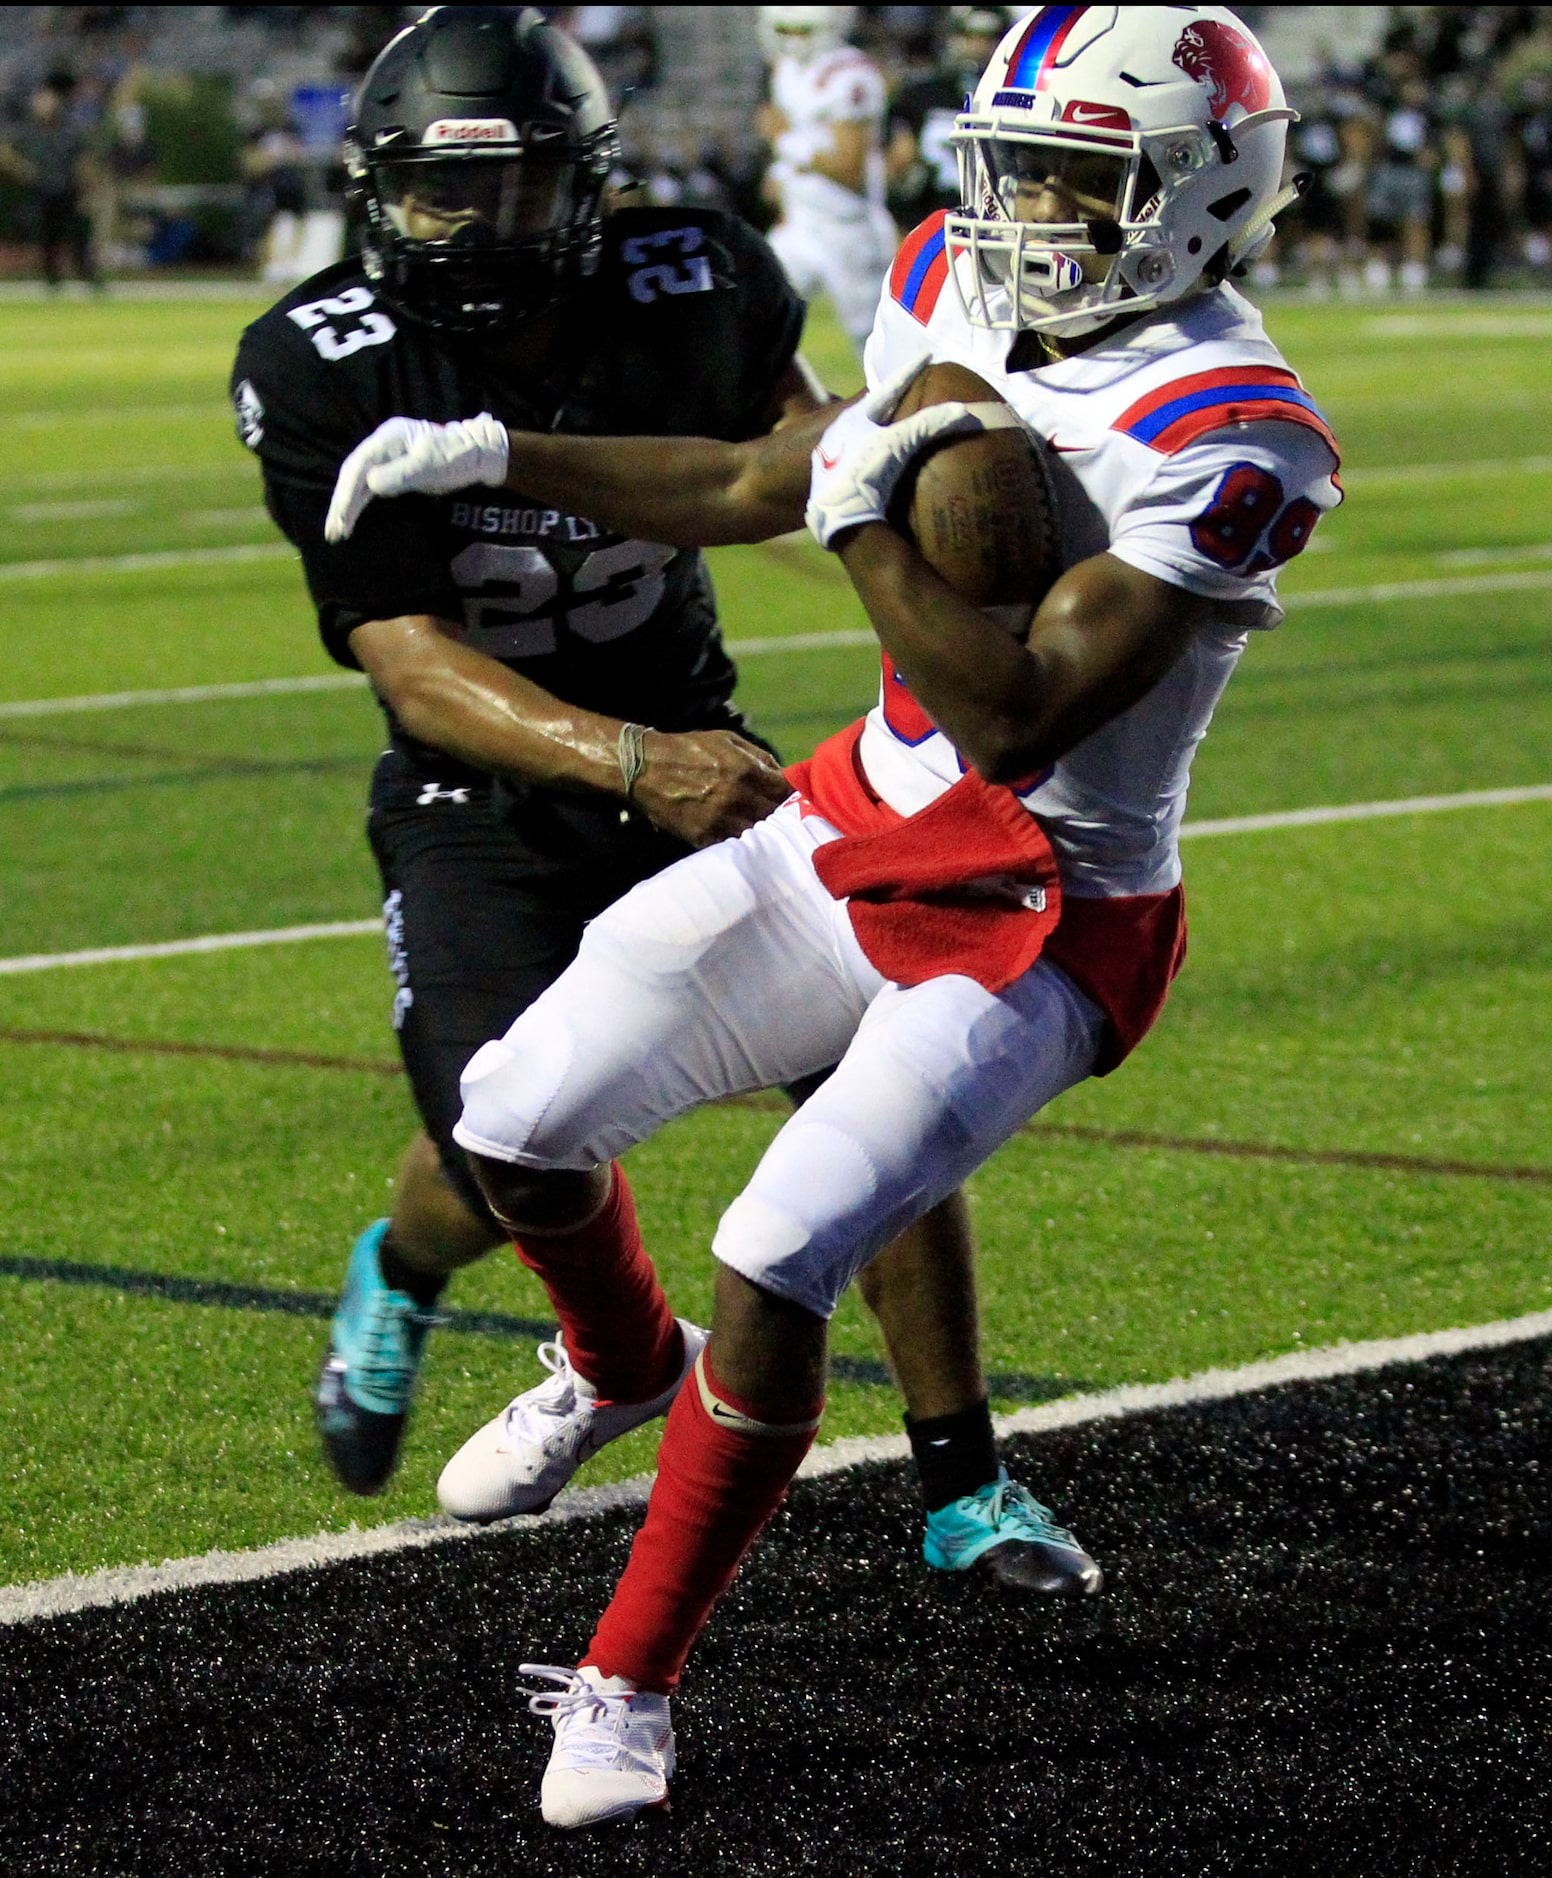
pixel 927 108
pixel 685 330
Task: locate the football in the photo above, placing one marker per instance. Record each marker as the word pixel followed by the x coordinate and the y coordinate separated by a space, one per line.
pixel 981 509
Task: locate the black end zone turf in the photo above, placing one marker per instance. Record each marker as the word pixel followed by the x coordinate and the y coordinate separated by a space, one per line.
pixel 1324 1651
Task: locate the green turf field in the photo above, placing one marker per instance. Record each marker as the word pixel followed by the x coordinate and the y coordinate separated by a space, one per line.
pixel 1365 1010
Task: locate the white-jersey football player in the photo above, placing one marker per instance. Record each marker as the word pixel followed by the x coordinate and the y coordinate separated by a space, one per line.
pixel 825 122
pixel 1004 821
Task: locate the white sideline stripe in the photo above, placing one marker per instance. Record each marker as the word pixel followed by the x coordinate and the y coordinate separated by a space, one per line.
pixel 181 694
pixel 356 928
pixel 175 948
pixel 143 563
pixel 1450 586
pixel 1403 474
pixel 801 642
pixel 1369 811
pixel 58 1597
pixel 739 648
pixel 1377 595
pixel 110 414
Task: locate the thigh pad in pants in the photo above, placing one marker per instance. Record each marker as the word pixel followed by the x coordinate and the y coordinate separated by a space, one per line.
pixel 730 972
pixel 938 1076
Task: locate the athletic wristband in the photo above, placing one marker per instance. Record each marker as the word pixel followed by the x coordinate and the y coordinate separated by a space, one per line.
pixel 632 753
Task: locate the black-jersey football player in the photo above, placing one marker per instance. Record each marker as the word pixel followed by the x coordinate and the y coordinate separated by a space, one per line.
pixel 558 697
pixel 920 162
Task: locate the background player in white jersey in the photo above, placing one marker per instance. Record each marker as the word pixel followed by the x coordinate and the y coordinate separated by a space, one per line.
pixel 1117 164
pixel 825 123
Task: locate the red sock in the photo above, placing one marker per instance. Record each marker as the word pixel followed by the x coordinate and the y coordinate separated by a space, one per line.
pixel 620 1333
pixel 717 1485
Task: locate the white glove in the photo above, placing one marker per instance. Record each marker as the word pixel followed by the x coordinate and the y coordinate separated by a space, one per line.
pixel 860 459
pixel 407 453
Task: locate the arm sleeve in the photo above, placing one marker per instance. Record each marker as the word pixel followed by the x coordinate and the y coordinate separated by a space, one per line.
pixel 1223 515
pixel 301 427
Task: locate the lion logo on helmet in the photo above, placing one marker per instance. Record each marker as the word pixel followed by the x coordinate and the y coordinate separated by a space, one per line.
pixel 1228 62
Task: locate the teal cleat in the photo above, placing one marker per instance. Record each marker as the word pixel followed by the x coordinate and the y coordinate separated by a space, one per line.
pixel 1004 1532
pixel 368 1376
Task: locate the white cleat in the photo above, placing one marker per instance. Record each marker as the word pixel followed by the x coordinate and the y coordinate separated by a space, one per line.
pixel 614 1747
pixel 521 1460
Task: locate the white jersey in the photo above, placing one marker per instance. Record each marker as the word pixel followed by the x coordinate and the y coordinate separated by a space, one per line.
pixel 814 95
pixel 1161 457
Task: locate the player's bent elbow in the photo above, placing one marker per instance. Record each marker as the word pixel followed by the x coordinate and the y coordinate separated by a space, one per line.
pixel 1009 765
pixel 1005 750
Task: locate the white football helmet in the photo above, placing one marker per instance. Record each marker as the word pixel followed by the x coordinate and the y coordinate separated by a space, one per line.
pixel 804 33
pixel 1158 131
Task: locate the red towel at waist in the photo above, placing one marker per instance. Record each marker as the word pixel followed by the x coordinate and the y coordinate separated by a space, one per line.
pixel 970 885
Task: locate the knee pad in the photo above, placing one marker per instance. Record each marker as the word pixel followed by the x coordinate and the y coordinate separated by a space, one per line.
pixel 810 1218
pixel 509 1088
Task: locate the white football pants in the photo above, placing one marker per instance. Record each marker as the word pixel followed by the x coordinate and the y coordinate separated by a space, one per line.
pixel 845 257
pixel 734 970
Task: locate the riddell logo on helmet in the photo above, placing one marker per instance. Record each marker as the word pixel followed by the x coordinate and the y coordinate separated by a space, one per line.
pixel 472 130
pixel 1227 61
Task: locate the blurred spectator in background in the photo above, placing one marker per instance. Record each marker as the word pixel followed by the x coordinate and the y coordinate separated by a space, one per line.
pixel 920 163
pixel 1400 199
pixel 1429 144
pixel 1431 158
pixel 54 165
pixel 271 165
pixel 824 123
pixel 1533 127
pixel 1331 144
pixel 620 42
pixel 1527 98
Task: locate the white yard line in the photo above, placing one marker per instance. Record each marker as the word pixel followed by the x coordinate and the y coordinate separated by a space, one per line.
pixel 239 469
pixel 178 948
pixel 1403 475
pixel 739 648
pixel 182 694
pixel 355 928
pixel 801 642
pixel 1449 587
pixel 1379 594
pixel 110 414
pixel 1369 811
pixel 57 1597
pixel 156 562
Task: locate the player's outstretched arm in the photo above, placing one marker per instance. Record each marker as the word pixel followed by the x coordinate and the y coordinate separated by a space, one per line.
pixel 1102 638
pixel 702 786
pixel 687 492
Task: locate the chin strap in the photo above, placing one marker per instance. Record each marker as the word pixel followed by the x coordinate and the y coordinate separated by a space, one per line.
pixel 1258 231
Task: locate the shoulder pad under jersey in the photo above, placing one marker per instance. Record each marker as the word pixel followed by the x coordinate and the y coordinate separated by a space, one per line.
pixel 920 271
pixel 1177 414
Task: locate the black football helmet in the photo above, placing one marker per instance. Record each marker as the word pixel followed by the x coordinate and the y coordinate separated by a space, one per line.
pixel 482 143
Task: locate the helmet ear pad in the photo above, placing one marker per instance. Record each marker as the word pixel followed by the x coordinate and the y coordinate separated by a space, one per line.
pixel 475 84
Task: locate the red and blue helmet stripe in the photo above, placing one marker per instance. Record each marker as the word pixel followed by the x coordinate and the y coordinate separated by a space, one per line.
pixel 1178 413
pixel 1038 51
pixel 921 268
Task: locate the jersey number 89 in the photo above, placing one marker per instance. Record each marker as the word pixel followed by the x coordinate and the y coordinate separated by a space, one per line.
pixel 1247 505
